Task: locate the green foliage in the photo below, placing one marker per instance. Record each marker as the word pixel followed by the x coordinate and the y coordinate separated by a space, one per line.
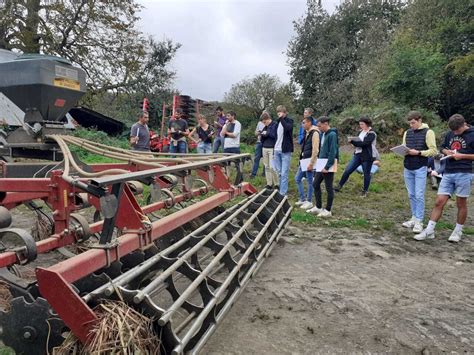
pixel 328 50
pixel 416 53
pixel 102 37
pixel 412 75
pixel 432 45
pixel 99 137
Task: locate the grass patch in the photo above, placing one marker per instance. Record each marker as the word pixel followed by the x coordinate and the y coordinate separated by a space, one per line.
pixel 386 207
pixel 441 225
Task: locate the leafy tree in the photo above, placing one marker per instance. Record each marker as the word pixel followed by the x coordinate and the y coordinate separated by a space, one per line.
pixel 327 52
pixel 413 75
pixel 99 36
pixel 262 92
pixel 448 26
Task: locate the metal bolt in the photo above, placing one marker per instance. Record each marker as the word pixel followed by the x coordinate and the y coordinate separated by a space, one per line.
pixel 27 335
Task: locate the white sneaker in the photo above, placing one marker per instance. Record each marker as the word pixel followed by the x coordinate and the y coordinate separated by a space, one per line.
pixel 324 213
pixel 314 210
pixel 455 236
pixel 299 203
pixel 417 227
pixel 424 235
pixel 410 223
pixel 306 206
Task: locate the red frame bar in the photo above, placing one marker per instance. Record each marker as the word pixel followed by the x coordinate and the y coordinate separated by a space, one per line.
pixel 54 282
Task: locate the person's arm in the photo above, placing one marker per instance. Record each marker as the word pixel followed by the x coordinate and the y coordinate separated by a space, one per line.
pixel 404 140
pixel 462 156
pixel 236 132
pixel 301 135
pixel 224 131
pixel 272 131
pixel 287 124
pixel 368 139
pixel 134 135
pixel 315 150
pixel 257 130
pixel 217 124
pixel 191 135
pixel 431 143
pixel 332 142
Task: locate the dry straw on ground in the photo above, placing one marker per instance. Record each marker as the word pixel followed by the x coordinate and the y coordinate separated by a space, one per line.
pixel 119 330
pixel 5 296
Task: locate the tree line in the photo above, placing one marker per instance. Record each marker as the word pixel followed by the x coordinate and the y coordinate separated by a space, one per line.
pixel 416 53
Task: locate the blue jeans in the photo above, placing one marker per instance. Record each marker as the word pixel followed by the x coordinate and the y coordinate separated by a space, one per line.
pixel 352 166
pixel 309 182
pixel 258 156
pixel 204 148
pixel 218 142
pixel 282 167
pixel 415 182
pixel 181 147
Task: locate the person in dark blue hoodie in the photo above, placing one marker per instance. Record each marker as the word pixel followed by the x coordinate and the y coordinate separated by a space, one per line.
pixel 308 113
pixel 268 139
pixel 457 178
pixel 283 148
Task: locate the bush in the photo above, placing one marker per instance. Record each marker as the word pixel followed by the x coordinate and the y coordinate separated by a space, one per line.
pixel 98 137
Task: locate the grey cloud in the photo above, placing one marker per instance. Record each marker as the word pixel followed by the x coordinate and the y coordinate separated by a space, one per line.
pixel 224 41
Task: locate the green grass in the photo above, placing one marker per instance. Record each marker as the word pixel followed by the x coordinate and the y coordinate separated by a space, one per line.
pixel 385 208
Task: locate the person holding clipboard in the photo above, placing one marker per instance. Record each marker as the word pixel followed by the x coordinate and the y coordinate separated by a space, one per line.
pixel 364 154
pixel 308 155
pixel 326 166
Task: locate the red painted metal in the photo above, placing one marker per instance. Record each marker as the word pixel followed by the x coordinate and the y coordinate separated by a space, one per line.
pixel 54 282
pixel 56 290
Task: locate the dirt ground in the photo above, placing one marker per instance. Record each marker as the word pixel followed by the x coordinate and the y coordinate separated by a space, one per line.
pixel 333 291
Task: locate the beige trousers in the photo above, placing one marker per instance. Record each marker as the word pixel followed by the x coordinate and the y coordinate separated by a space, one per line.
pixel 270 175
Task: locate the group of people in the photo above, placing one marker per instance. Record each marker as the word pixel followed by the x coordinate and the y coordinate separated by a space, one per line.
pixel 319 155
pixel 224 135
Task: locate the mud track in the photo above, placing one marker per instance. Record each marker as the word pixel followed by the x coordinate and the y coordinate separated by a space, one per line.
pixel 334 291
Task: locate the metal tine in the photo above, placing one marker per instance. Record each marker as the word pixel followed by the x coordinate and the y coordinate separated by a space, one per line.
pixel 140 295
pixel 245 215
pixel 202 338
pixel 175 306
pixel 257 224
pixel 231 228
pixel 207 309
pixel 197 342
pixel 132 273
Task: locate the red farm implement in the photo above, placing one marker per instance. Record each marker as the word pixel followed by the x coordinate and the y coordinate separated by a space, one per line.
pixel 176 238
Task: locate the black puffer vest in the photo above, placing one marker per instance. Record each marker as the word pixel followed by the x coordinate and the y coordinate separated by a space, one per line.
pixel 416 139
pixel 307 145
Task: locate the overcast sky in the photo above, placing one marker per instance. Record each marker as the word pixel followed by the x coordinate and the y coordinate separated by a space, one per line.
pixel 224 41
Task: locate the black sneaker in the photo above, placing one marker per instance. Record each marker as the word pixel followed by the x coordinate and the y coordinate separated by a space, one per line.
pixel 337 188
pixel 268 186
pixel 276 187
pixel 364 194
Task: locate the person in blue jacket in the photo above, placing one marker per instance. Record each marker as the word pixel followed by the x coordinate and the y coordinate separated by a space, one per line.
pixel 308 112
